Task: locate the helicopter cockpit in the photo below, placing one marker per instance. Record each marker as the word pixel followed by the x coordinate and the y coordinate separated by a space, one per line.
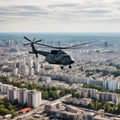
pixel 54 51
pixel 57 52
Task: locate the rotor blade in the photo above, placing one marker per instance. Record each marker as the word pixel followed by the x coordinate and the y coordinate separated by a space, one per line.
pixel 47 45
pixel 68 47
pixel 27 39
pixel 74 46
pixel 26 44
pixel 38 41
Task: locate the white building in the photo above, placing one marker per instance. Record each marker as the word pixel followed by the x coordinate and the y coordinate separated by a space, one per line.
pixel 34 98
pixel 30 62
pixel 4 88
pixel 111 84
pixel 12 93
pixel 37 67
pixel 26 70
pixel 31 73
pixel 22 96
pixel 15 71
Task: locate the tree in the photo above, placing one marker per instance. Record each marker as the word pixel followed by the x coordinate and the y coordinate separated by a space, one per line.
pixel 11 107
pixel 54 88
pixel 15 102
pixel 45 94
pixel 107 107
pixel 13 113
pixel 91 105
pixel 76 95
pixel 118 109
pixel 4 111
pixel 62 92
pixel 98 105
pixel 2 106
pixel 53 94
pixel 116 73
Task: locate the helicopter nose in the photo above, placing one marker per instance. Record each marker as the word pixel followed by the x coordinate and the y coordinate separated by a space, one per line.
pixel 72 61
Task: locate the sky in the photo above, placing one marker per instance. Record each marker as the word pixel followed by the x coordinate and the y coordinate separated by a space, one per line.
pixel 59 15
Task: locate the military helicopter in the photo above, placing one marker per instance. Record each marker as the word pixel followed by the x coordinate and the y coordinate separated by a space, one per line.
pixel 56 56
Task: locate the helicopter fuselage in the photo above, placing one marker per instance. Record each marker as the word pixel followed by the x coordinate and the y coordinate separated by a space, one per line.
pixel 56 57
pixel 59 57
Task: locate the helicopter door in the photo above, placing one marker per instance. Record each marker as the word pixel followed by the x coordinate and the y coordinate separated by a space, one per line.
pixel 66 60
pixel 51 59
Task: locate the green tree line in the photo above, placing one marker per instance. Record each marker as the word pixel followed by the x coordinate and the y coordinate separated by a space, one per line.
pixel 108 107
pixel 7 107
pixel 48 92
pixel 99 88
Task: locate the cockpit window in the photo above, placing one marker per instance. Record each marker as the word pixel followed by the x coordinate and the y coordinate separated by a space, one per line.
pixel 54 51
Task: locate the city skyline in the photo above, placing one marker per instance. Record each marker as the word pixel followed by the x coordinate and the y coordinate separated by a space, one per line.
pixel 60 16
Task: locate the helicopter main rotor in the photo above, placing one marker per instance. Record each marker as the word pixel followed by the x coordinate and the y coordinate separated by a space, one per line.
pixel 77 46
pixel 32 42
pixel 67 47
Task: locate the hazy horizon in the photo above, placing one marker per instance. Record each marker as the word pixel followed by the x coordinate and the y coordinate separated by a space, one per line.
pixel 63 37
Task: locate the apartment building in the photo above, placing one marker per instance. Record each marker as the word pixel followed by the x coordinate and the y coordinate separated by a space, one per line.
pixel 22 96
pixel 12 93
pixel 34 98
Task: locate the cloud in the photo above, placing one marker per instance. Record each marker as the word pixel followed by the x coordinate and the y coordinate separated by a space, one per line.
pixel 61 10
pixel 87 10
pixel 58 11
pixel 21 12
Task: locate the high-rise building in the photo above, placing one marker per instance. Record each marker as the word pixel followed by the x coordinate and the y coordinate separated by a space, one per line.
pixel 84 93
pixel 37 67
pixel 26 69
pixel 4 88
pixel 15 71
pixel 34 98
pixel 31 63
pixel 31 73
pixel 12 93
pixel 111 84
pixel 106 96
pixel 22 96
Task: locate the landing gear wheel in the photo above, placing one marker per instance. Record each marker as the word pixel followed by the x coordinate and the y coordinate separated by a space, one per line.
pixel 62 67
pixel 70 66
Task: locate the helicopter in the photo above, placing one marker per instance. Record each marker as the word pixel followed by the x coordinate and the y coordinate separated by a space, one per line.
pixel 56 56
